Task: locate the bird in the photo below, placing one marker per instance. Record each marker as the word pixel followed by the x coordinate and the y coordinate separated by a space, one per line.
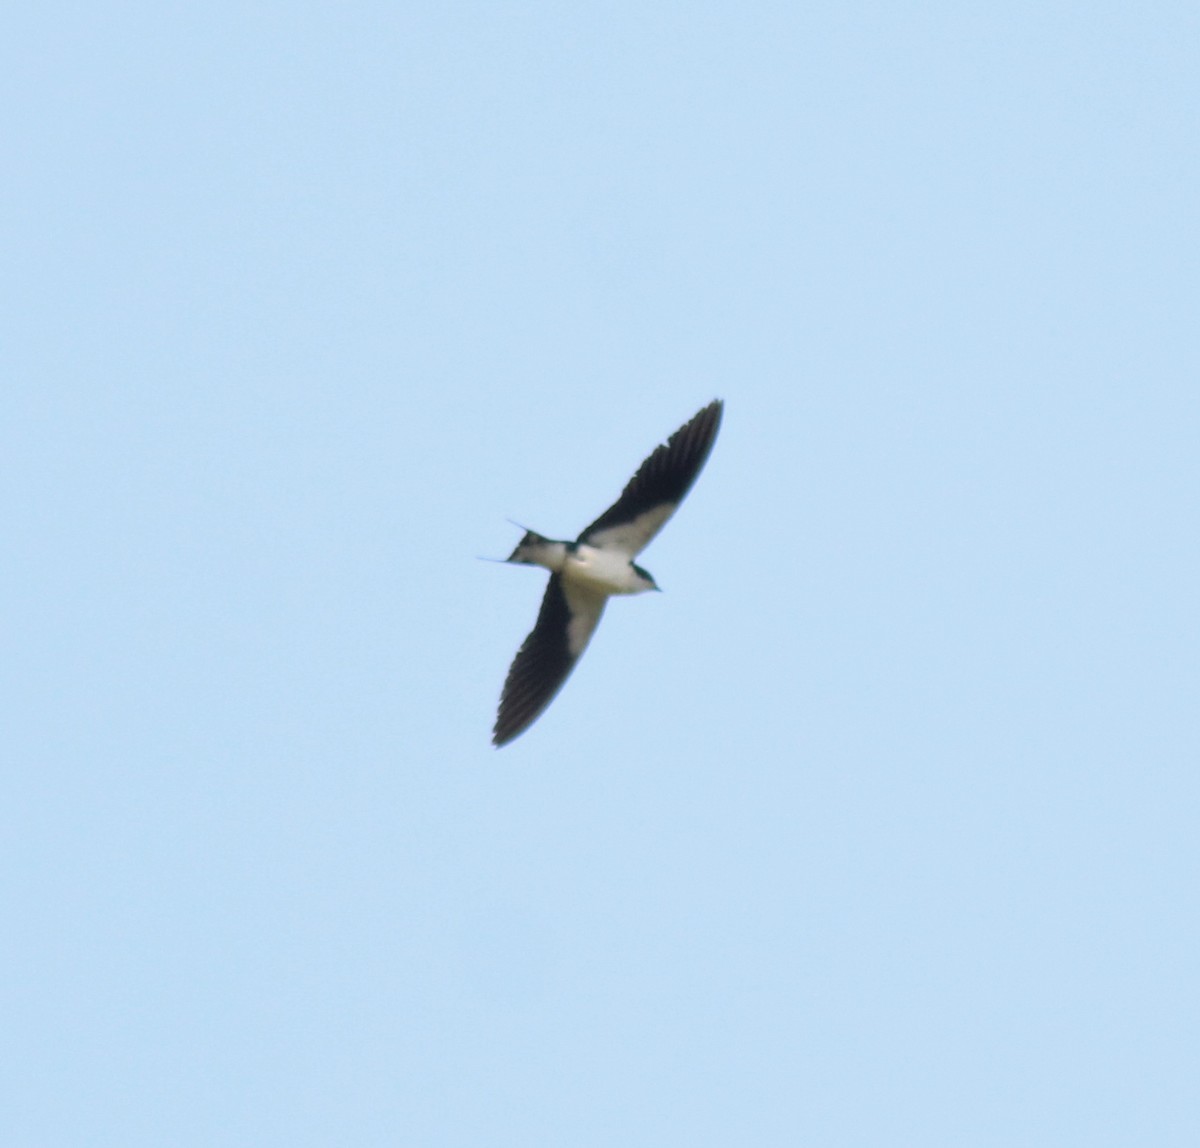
pixel 585 573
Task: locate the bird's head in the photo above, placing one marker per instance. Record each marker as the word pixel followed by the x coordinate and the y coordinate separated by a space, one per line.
pixel 647 578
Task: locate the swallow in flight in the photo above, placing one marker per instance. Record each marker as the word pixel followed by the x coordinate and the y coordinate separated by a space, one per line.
pixel 585 573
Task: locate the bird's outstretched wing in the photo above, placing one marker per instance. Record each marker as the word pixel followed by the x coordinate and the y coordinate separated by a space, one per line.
pixel 659 486
pixel 546 658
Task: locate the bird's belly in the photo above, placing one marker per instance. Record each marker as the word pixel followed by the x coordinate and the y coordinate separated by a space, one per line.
pixel 601 572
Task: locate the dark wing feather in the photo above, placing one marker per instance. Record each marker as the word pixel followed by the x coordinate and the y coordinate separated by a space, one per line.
pixel 659 486
pixel 546 657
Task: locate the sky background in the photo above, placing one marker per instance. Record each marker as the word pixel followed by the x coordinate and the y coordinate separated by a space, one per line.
pixel 878 827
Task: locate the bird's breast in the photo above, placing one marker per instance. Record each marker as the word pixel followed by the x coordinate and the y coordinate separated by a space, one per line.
pixel 602 571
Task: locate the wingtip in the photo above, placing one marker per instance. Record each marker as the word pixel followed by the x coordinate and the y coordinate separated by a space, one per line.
pixel 507 737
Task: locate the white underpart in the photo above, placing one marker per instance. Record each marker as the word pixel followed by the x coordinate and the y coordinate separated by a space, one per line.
pixel 602 572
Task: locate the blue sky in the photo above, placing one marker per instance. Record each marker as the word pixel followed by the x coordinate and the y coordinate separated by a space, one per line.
pixel 877 827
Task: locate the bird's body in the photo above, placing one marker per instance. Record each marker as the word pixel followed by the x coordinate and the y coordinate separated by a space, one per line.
pixel 599 564
pixel 592 568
